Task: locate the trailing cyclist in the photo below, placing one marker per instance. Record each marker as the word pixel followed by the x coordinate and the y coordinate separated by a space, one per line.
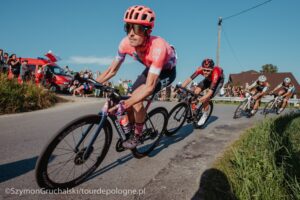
pixel 213 81
pixel 155 53
pixel 286 91
pixel 258 90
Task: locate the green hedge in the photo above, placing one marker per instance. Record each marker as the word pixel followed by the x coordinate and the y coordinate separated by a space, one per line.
pixel 15 97
pixel 265 162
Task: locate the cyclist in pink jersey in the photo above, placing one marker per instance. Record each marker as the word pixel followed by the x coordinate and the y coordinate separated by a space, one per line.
pixel 213 81
pixel 154 53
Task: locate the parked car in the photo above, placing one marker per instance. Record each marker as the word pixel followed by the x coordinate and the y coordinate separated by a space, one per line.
pixel 57 79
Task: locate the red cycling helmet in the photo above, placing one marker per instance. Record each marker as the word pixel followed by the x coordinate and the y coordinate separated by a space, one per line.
pixel 140 15
pixel 208 63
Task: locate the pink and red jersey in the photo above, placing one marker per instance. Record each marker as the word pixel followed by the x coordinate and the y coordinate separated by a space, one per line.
pixel 157 56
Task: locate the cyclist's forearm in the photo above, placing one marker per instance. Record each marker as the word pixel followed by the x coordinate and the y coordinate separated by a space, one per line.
pixel 186 82
pixel 286 94
pixel 110 72
pixel 206 96
pixel 105 76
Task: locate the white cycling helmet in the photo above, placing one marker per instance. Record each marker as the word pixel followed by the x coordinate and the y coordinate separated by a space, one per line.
pixel 179 83
pixel 262 78
pixel 287 80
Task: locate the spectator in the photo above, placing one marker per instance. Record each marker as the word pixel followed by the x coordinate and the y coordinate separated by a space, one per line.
pixel 1 60
pixel 39 75
pixel 24 72
pixel 47 75
pixel 5 65
pixel 129 86
pixel 86 74
pixel 67 70
pixel 74 86
pixel 97 92
pixel 80 85
pixel 14 64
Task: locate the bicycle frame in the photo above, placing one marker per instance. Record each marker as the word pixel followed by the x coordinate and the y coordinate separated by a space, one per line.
pixel 188 99
pixel 276 102
pixel 104 115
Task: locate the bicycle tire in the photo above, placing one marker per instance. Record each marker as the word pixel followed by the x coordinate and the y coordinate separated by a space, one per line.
pixel 199 114
pixel 172 130
pixel 41 169
pixel 267 110
pixel 235 115
pixel 142 151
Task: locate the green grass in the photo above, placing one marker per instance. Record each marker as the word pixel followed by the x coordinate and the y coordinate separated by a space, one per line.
pixel 21 98
pixel 265 162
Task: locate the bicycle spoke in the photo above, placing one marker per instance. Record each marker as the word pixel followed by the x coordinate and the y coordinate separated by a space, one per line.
pixel 65 149
pixel 63 154
pixel 68 144
pixel 64 162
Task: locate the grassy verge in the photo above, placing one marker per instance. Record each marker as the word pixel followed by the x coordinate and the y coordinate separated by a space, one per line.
pixel 22 98
pixel 265 162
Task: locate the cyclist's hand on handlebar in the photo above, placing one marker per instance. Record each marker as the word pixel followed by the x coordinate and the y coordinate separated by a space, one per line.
pixel 120 108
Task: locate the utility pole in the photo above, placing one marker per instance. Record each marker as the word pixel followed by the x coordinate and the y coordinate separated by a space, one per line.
pixel 219 40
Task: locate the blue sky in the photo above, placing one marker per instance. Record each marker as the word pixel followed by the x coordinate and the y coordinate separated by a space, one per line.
pixel 86 34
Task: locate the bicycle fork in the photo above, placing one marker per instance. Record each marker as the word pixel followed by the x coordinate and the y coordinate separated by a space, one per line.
pixel 88 149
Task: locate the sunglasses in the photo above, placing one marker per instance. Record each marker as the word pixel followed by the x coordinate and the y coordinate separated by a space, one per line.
pixel 207 70
pixel 137 29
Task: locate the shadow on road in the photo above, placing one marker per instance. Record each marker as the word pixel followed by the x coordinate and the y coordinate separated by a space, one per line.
pixel 214 185
pixel 209 121
pixel 164 143
pixel 15 169
pixel 167 141
pixel 118 162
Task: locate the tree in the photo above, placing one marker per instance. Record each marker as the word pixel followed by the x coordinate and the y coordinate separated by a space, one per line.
pixel 269 68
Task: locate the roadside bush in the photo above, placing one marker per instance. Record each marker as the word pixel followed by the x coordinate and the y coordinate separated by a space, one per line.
pixel 21 98
pixel 265 162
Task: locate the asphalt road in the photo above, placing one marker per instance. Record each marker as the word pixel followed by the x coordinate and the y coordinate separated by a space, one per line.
pixel 172 171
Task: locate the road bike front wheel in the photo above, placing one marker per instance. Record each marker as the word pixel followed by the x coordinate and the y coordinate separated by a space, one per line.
pixel 269 108
pixel 240 110
pixel 176 118
pixel 61 166
pixel 154 127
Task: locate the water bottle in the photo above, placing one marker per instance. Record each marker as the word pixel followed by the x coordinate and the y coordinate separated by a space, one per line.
pixel 124 122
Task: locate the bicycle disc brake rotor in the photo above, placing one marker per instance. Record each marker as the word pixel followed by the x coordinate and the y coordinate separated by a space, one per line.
pixel 79 160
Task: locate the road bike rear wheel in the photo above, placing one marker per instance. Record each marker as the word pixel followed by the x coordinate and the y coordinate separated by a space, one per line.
pixel 199 114
pixel 154 127
pixel 61 166
pixel 176 118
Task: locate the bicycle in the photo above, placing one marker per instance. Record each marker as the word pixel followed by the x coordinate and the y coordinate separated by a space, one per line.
pixel 85 141
pixel 273 106
pixel 183 112
pixel 245 107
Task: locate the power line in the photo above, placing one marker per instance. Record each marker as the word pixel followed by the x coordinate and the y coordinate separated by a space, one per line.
pixel 243 11
pixel 231 48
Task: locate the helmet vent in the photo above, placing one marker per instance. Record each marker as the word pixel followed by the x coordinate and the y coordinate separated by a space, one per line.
pixel 130 16
pixel 136 15
pixel 144 16
pixel 152 19
pixel 141 8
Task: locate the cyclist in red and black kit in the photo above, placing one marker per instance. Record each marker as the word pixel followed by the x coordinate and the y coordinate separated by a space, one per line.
pixel 213 81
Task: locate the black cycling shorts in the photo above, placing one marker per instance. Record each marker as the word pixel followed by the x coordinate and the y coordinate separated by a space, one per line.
pixel 166 77
pixel 206 84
